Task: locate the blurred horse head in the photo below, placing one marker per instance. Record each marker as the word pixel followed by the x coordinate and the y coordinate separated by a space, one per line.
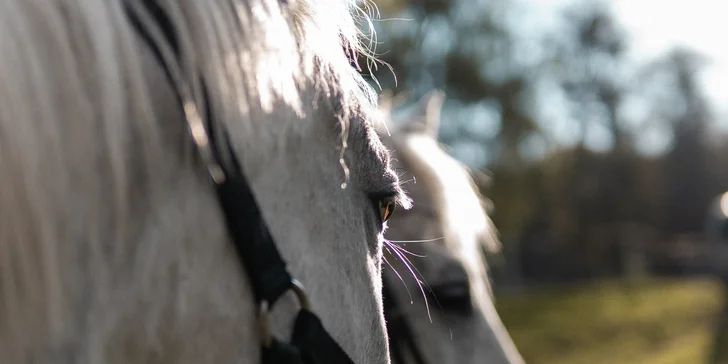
pixel 113 245
pixel 439 246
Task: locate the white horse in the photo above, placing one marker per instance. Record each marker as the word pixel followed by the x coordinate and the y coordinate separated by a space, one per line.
pixel 113 248
pixel 442 241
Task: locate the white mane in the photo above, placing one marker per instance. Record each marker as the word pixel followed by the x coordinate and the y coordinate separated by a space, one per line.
pixel 79 62
pixel 462 206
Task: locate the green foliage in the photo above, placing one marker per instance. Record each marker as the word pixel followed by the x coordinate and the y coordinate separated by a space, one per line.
pixel 592 204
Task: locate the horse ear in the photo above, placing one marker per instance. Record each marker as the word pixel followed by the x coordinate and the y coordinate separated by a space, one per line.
pixel 385 106
pixel 481 178
pixel 388 101
pixel 427 117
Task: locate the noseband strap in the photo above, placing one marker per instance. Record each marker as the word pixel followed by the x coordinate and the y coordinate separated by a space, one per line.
pixel 255 247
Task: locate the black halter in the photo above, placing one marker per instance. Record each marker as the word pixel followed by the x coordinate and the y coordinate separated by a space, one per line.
pixel 310 342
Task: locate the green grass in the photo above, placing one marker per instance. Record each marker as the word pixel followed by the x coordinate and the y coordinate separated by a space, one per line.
pixel 650 322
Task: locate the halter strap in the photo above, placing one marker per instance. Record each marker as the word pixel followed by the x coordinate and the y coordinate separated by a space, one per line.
pixel 255 247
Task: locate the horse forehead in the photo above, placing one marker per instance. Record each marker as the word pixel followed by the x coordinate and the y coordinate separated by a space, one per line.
pixel 371 156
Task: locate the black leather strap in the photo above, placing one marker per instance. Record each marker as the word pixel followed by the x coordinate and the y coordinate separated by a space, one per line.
pixel 256 249
pixel 316 345
pixel 253 243
pixel 280 352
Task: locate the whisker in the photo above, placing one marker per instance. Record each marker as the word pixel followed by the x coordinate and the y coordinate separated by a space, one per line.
pixel 411 180
pixel 409 267
pixel 403 250
pixel 416 241
pixel 399 251
pixel 420 283
pixel 392 19
pixel 401 172
pixel 427 285
pixel 398 276
pixel 411 253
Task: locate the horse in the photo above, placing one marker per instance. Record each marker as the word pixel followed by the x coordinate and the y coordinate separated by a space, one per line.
pixel 113 244
pixel 438 248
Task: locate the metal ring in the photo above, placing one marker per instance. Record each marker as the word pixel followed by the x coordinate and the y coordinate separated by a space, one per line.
pixel 300 292
pixel 297 288
pixel 265 324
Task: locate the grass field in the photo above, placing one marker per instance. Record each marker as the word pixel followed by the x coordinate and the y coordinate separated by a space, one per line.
pixel 651 322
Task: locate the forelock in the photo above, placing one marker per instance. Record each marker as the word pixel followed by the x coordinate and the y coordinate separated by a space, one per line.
pixel 456 195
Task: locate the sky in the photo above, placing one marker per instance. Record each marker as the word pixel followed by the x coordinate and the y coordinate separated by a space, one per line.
pixel 654 27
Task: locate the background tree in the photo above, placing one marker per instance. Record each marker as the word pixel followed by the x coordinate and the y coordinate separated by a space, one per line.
pixel 573 209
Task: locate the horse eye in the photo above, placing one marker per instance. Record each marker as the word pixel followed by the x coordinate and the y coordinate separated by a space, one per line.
pixel 386 209
pixel 454 296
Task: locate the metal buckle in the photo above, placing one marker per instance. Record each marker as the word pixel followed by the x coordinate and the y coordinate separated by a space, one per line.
pixel 297 288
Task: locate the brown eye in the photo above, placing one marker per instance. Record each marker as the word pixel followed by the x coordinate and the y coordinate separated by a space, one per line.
pixel 386 209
